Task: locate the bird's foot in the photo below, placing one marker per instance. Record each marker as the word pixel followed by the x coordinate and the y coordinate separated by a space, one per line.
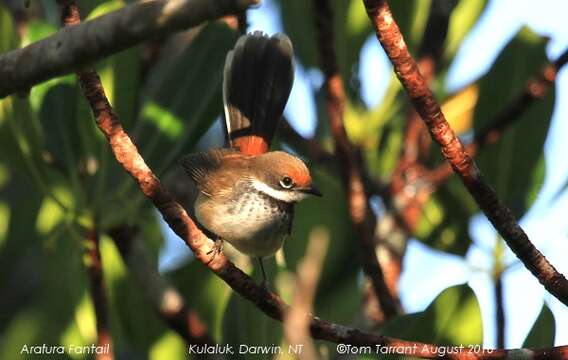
pixel 264 287
pixel 216 249
pixel 264 282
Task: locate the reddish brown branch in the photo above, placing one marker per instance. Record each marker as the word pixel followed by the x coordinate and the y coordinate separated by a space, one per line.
pixel 431 49
pixel 98 294
pixel 362 218
pixel 127 155
pixel 500 216
pixel 536 88
pixel 416 139
pixel 272 305
pixel 175 216
pixel 70 14
pixel 168 304
pixel 406 206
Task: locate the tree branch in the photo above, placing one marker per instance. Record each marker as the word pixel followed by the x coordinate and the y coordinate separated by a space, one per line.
pixel 402 205
pixel 168 304
pixel 453 150
pixel 362 218
pixel 98 293
pixel 536 88
pixel 175 216
pixel 499 311
pixel 416 140
pixel 74 47
pixel 498 288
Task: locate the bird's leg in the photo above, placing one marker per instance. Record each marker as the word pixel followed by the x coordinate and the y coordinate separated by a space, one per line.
pixel 264 283
pixel 217 248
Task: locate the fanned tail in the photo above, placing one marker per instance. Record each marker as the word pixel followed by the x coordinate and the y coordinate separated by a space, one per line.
pixel 258 78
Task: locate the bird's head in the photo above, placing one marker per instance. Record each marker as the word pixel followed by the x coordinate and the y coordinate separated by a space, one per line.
pixel 283 177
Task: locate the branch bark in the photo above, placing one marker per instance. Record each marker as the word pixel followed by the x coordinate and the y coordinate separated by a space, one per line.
pixel 400 204
pixel 499 311
pixel 535 89
pixel 175 216
pixel 416 139
pixel 98 293
pixel 74 47
pixel 362 218
pixel 453 150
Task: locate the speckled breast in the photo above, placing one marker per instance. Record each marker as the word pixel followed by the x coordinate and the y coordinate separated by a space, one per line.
pixel 254 223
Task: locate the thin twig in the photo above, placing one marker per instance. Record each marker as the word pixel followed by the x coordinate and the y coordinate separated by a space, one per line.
pixel 453 150
pixel 498 270
pixel 402 205
pixel 416 139
pixel 70 14
pixel 74 47
pixel 296 323
pixel 362 218
pixel 98 294
pixel 535 89
pixel 167 302
pixel 499 311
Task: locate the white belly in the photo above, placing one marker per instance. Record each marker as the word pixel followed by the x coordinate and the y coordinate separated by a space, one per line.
pixel 253 226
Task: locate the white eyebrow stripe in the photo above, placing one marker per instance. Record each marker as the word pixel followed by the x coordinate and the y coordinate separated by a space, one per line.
pixel 281 195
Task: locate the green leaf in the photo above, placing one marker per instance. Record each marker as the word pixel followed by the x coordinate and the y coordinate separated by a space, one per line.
pixel 351 28
pixel 204 292
pixel 411 17
pixel 186 98
pixel 462 20
pixel 8 35
pixel 59 119
pixel 120 73
pixel 543 331
pixel 128 309
pixel 56 260
pixel 169 346
pixel 20 201
pixel 244 323
pixel 329 212
pixel 453 318
pixel 514 165
pixel 36 31
pixel 445 218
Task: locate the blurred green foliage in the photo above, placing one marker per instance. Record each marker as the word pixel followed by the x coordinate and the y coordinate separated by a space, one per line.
pixel 57 176
pixel 542 333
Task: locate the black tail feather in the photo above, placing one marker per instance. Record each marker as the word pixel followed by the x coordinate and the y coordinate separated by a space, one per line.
pixel 258 78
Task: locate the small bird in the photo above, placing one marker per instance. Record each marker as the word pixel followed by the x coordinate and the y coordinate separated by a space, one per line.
pixel 246 192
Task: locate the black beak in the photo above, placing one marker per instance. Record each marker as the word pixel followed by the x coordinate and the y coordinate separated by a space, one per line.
pixel 310 190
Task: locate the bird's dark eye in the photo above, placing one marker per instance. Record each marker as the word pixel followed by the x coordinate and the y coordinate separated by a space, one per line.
pixel 286 182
